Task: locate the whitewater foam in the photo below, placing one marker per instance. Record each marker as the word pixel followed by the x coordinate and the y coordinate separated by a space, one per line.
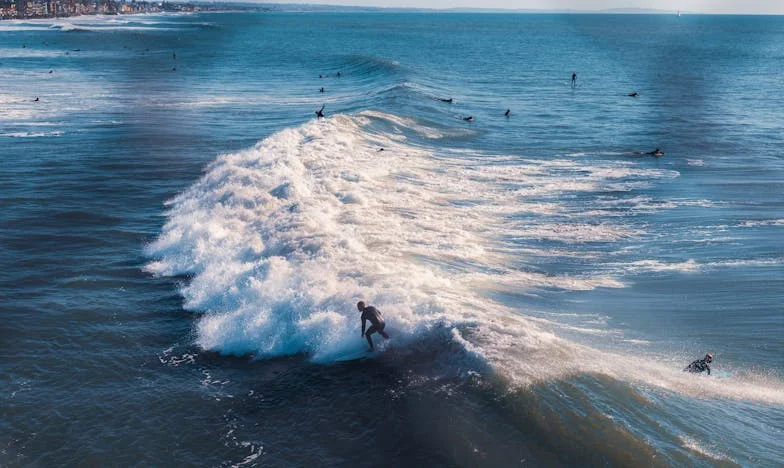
pixel 282 239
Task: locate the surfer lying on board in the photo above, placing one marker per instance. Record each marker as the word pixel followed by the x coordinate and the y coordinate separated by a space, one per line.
pixel 372 315
pixel 700 365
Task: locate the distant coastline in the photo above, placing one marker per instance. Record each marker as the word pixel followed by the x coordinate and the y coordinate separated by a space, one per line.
pixel 32 9
pixel 36 9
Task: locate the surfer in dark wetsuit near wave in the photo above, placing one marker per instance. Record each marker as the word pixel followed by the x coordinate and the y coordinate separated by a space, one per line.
pixel 700 365
pixel 373 315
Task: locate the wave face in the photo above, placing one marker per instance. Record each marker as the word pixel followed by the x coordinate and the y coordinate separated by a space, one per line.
pixel 281 240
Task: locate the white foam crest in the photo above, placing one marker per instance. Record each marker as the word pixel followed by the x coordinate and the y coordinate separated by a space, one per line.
pixel 690 443
pixel 282 239
pixel 514 280
pixel 689 266
pixel 31 134
pixel 29 52
pixel 64 26
pixel 757 262
pixel 574 232
pixel 524 366
pixel 763 222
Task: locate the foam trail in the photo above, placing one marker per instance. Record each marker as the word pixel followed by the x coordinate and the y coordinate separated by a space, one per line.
pixel 282 239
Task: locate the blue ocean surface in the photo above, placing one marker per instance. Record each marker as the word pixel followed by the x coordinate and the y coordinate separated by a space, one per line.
pixel 183 242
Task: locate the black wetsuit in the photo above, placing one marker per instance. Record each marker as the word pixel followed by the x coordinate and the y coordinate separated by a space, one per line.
pixel 373 315
pixel 700 365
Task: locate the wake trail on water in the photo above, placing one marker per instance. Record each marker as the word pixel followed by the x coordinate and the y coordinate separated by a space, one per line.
pixel 281 240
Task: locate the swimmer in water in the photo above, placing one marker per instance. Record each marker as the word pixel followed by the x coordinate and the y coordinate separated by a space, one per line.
pixel 320 112
pixel 508 112
pixel 321 90
pixel 36 99
pixel 449 101
pixel 633 94
pixel 470 118
pixel 657 152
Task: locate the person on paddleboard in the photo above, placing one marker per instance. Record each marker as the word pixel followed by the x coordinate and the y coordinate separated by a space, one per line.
pixel 372 315
pixel 700 365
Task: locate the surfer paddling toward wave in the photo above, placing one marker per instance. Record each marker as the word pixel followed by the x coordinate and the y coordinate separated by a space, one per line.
pixel 373 315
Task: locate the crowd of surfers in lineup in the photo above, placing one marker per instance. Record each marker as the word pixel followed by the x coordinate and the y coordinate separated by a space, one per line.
pixel 470 118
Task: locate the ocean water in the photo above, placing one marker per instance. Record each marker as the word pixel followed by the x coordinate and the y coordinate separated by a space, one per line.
pixel 183 242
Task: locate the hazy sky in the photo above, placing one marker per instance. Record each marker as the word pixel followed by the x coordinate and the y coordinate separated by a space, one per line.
pixel 702 6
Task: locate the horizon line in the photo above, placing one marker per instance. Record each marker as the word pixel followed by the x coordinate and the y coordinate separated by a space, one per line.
pixel 620 10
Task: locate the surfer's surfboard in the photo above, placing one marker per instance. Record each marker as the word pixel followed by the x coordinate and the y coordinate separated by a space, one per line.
pixel 719 374
pixel 356 355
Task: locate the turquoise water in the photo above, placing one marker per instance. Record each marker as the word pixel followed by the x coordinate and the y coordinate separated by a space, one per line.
pixel 183 243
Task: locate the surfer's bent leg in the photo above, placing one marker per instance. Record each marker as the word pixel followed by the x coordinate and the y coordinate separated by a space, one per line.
pixel 382 332
pixel 370 331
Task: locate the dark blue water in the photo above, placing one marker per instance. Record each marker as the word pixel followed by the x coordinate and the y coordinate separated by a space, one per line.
pixel 183 243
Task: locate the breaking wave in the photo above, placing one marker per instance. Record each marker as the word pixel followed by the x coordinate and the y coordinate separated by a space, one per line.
pixel 281 240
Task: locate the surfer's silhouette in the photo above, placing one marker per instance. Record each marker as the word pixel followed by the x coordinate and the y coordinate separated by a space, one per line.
pixel 508 112
pixel 700 365
pixel 372 315
pixel 574 79
pixel 320 112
